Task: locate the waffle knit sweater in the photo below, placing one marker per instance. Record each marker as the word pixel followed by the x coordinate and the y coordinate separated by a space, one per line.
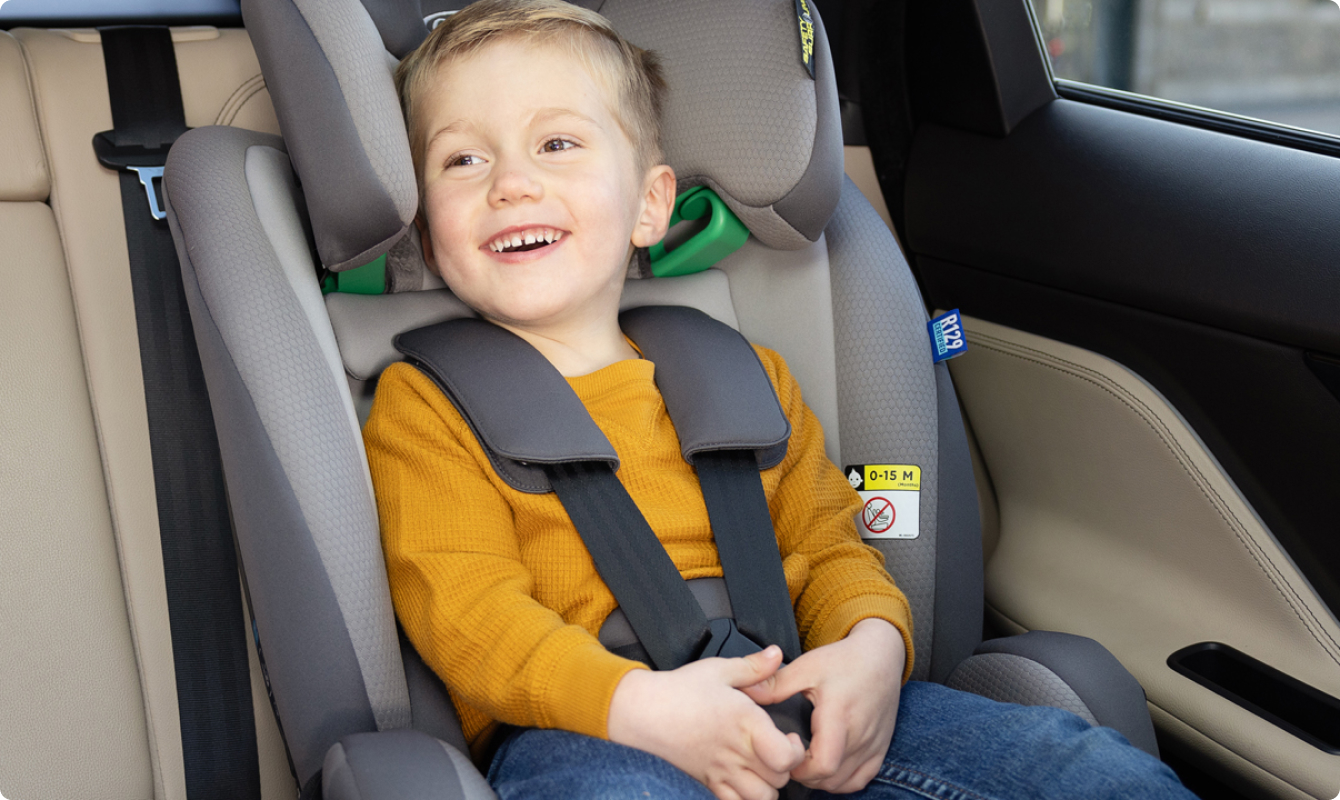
pixel 496 590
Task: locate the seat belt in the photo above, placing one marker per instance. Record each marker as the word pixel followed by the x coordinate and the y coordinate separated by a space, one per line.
pixel 218 730
pixel 716 392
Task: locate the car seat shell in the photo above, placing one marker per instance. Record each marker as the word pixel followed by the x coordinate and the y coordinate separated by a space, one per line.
pixel 288 428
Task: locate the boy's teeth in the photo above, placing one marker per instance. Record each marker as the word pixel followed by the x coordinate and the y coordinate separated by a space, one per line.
pixel 540 236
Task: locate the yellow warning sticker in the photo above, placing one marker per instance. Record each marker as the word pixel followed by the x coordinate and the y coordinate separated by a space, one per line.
pixel 890 497
pixel 873 477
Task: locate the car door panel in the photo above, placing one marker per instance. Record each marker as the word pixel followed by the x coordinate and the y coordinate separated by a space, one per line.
pixel 1154 322
pixel 1116 523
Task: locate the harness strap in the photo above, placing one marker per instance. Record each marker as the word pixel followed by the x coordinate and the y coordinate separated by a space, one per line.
pixel 205 614
pixel 632 562
pixel 747 545
pixel 730 425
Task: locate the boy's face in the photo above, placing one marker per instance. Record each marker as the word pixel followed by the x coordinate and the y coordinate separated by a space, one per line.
pixel 522 148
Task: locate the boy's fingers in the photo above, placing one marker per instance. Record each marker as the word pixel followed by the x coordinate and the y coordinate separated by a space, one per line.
pixel 755 667
pixel 859 778
pixel 724 792
pixel 787 681
pixel 777 752
pixel 825 755
pixel 751 786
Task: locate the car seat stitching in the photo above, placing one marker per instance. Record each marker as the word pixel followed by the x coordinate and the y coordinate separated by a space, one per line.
pixel 1254 549
pixel 240 96
pixel 918 789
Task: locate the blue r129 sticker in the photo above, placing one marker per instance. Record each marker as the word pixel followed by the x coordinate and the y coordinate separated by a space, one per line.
pixel 947 336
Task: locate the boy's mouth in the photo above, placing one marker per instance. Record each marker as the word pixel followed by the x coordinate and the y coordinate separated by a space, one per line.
pixel 523 240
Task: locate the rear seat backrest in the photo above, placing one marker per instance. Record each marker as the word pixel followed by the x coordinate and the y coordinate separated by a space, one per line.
pixel 90 703
pixel 70 690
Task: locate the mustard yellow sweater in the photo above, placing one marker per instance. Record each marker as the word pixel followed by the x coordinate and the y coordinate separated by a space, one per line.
pixel 496 590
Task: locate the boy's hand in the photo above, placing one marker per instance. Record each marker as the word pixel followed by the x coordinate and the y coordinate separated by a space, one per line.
pixel 697 718
pixel 854 685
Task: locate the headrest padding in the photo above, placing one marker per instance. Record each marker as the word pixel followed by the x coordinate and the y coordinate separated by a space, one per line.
pixel 330 75
pixel 400 24
pixel 23 171
pixel 743 115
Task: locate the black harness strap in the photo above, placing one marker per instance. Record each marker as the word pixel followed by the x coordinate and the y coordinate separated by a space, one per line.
pixel 632 562
pixel 218 728
pixel 747 545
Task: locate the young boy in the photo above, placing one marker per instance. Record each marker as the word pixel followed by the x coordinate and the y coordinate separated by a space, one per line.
pixel 535 135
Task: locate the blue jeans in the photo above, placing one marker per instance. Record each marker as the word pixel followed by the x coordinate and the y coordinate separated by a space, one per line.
pixel 948 745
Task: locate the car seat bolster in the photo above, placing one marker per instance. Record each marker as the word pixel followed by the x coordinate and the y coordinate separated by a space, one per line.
pixel 264 337
pixel 333 94
pixel 1015 679
pixel 316 680
pixel 399 765
pixel 888 403
pixel 958 552
pixel 1111 693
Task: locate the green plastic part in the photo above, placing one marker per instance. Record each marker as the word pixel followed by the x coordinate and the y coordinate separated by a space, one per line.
pixel 367 279
pixel 724 234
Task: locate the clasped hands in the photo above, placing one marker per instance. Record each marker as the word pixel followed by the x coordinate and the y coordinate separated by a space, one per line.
pixel 706 717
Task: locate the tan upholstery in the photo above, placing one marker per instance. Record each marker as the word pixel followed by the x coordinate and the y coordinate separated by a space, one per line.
pixel 1116 523
pixel 220 84
pixel 23 169
pixel 73 723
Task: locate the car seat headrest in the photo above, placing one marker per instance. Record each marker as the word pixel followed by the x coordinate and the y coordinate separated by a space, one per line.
pixel 743 116
pixel 328 70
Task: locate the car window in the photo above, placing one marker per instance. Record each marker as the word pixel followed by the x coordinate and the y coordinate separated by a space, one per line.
pixel 44 12
pixel 1275 60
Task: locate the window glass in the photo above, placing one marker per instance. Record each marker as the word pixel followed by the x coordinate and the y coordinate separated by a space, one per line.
pixel 1277 60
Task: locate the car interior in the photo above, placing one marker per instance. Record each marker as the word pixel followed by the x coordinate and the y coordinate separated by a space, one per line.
pixel 1125 503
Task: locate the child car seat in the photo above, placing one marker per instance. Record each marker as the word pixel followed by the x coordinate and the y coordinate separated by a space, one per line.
pixel 821 280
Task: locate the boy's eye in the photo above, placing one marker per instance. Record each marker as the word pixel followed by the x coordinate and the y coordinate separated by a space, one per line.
pixel 465 160
pixel 557 145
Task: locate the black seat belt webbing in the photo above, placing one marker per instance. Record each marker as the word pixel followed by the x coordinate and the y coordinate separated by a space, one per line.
pixel 199 558
pixel 632 562
pixel 747 546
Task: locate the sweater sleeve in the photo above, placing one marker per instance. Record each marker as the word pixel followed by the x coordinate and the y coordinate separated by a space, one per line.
pixel 457 580
pixel 841 579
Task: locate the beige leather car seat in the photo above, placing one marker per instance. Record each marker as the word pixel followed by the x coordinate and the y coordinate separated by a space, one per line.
pixel 88 705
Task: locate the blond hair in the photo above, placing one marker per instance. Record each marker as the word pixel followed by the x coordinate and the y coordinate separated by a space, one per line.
pixel 632 74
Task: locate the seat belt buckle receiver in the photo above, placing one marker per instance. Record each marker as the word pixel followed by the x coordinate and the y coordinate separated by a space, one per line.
pixel 146 162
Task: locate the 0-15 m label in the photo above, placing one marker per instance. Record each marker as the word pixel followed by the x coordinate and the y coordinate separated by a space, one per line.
pixel 890 499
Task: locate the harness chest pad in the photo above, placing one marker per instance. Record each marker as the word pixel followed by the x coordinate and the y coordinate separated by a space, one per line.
pixel 526 416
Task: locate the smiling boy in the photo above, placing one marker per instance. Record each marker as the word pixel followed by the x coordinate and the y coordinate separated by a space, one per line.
pixel 535 134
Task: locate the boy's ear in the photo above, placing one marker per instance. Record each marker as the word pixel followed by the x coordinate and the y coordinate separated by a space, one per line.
pixel 658 201
pixel 426 242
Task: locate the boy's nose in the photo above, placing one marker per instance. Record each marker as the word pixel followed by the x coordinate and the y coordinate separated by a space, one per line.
pixel 515 186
